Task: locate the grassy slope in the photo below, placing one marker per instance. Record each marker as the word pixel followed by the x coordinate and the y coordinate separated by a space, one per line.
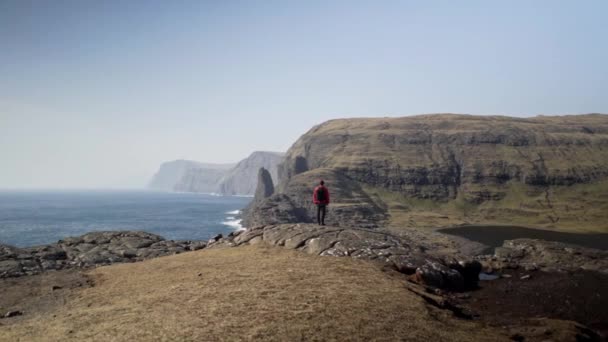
pixel 577 208
pixel 251 292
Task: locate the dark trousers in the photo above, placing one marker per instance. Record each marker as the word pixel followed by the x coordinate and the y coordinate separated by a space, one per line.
pixel 321 209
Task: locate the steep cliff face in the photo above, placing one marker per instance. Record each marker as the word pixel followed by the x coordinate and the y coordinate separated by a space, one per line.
pixel 199 179
pixel 242 179
pixel 226 179
pixel 443 169
pixel 178 175
pixel 170 173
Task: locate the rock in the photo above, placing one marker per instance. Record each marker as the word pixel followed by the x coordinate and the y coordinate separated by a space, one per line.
pixel 10 267
pixel 13 314
pixel 265 187
pixel 195 246
pixel 397 252
pixel 136 242
pixel 128 253
pixel 52 253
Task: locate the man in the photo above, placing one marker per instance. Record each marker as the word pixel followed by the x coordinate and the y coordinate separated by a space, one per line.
pixel 320 197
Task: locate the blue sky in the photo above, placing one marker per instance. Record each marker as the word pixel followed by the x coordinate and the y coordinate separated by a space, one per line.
pixel 98 93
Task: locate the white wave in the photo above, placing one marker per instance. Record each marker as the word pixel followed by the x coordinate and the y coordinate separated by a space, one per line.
pixel 234 212
pixel 236 224
pixel 230 218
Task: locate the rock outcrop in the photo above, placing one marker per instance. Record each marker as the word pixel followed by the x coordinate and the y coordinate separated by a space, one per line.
pixel 444 169
pixel 265 186
pixel 406 256
pixel 97 248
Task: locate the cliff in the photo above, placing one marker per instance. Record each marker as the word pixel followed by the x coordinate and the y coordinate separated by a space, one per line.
pixel 445 169
pixel 242 179
pixel 225 179
pixel 179 173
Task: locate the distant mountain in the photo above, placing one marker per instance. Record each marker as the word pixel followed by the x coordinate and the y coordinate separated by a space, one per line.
pixel 175 175
pixel 226 179
pixel 242 179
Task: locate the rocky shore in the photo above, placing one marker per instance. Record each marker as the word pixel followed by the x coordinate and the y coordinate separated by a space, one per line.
pixel 89 250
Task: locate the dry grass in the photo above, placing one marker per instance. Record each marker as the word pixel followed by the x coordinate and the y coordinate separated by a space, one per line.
pixel 245 293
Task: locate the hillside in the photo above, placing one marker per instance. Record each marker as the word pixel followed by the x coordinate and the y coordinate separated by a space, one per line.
pixel 445 169
pixel 245 293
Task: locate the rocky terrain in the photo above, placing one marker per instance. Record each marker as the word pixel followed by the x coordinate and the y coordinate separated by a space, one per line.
pixel 92 249
pixel 443 169
pixel 441 270
pixel 225 179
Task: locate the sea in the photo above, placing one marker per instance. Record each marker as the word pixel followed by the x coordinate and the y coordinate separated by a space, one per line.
pixel 30 218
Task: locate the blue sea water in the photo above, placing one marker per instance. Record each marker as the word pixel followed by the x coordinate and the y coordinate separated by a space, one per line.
pixel 29 218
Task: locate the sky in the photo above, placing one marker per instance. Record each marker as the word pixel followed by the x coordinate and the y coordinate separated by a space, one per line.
pixel 96 94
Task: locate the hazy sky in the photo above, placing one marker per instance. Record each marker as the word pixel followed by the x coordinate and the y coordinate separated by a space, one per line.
pixel 98 93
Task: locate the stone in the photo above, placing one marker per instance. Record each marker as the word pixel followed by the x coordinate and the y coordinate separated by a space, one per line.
pixel 395 251
pixel 13 314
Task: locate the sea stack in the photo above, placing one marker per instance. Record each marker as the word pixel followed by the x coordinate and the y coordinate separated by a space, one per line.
pixel 265 187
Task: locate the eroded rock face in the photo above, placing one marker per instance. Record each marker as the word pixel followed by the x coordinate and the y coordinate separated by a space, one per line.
pixel 97 248
pixel 405 256
pixel 532 254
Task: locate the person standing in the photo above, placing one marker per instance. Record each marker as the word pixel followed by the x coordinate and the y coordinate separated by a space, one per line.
pixel 320 197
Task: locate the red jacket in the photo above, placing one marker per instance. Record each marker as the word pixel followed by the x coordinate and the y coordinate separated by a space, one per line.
pixel 314 195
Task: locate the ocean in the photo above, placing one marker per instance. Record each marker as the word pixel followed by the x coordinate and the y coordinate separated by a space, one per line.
pixel 29 218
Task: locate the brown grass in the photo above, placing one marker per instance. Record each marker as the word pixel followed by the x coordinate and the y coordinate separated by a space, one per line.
pixel 245 293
